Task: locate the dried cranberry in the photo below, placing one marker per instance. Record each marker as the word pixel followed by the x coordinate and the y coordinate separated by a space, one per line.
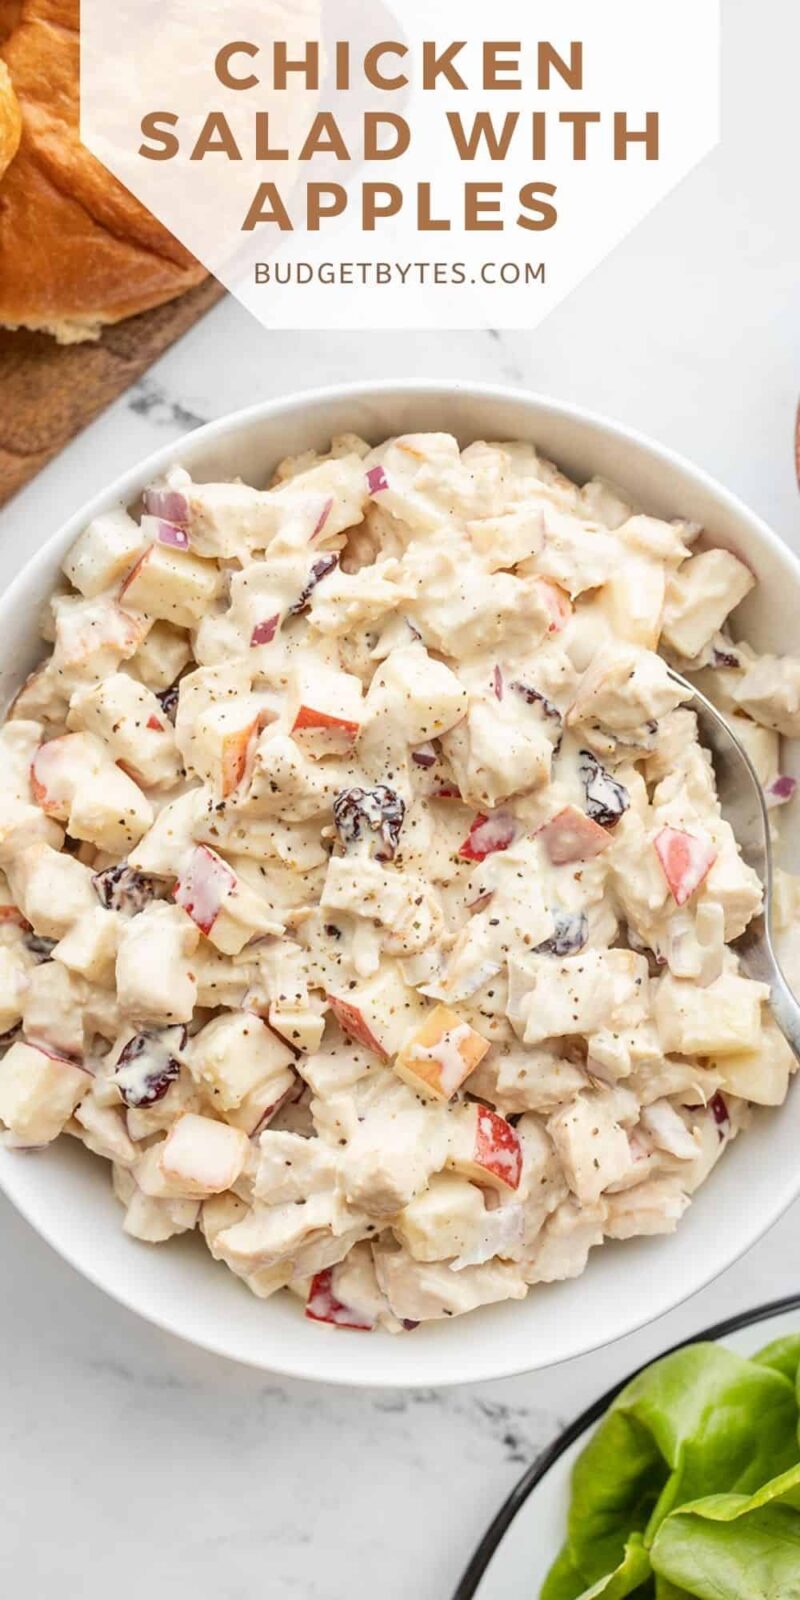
pixel 148 1067
pixel 40 947
pixel 725 658
pixel 381 810
pixel 168 701
pixel 570 934
pixel 122 888
pixel 717 1105
pixel 606 800
pixel 533 697
pixel 319 571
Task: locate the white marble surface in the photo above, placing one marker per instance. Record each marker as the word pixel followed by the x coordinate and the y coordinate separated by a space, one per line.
pixel 132 1462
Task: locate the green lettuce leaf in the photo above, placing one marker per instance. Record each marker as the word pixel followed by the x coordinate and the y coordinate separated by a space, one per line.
pixel 701 1422
pixel 782 1355
pixel 735 1547
pixel 633 1576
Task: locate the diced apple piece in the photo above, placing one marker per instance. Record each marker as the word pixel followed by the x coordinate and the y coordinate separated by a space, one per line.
pixel 443 1220
pixel 156 1221
pixel 700 596
pixel 686 860
pixel 38 1092
pixel 222 742
pixel 322 1305
pixel 202 1157
pixel 58 769
pixel 557 604
pixel 487 835
pixel 172 586
pixel 486 1149
pixel 90 946
pixel 103 553
pixel 129 721
pixel 325 710
pixel 440 1055
pixel 633 599
pixel 379 1012
pixel 75 779
pixel 13 985
pixel 161 658
pixel 761 1075
pixel 234 1054
pixel 52 889
pixel 723 1019
pixel 222 906
pixel 572 836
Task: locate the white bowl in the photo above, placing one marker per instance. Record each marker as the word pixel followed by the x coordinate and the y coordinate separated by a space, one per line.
pixel 65 1194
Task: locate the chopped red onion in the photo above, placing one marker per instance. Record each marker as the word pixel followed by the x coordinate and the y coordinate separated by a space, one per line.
pixel 377 481
pixel 780 791
pixel 497 679
pixel 264 632
pixel 424 755
pixel 322 519
pixel 167 503
pixel 169 533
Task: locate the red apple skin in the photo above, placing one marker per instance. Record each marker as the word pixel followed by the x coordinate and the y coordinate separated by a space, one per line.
pixel 486 836
pixel 307 717
pixel 497 1148
pixel 234 757
pixel 323 1306
pixel 572 836
pixel 685 860
pixel 135 570
pixel 201 891
pixel 351 1020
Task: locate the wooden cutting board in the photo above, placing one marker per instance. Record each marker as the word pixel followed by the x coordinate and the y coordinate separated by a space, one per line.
pixel 49 392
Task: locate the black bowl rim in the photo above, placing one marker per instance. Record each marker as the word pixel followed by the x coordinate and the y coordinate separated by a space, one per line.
pixel 534 1474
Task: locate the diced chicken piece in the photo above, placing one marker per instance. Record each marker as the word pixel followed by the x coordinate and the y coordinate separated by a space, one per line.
pixel 54 1010
pixel 439 1056
pixel 171 585
pixel 420 693
pixel 769 691
pixel 495 755
pixel 233 1055
pixel 103 553
pixel 580 994
pixel 396 1144
pixel 39 1091
pixel 324 710
pixel 268 1235
pixel 761 744
pixel 102 1130
pixel 166 843
pixel 291 1168
pixel 161 658
pixel 425 1291
pixel 378 1013
pixel 400 903
pixel 485 1148
pixel 506 540
pixel 221 905
pixel 562 1248
pixel 721 1020
pixel 760 1075
pixel 700 596
pixel 200 1157
pixel 592 1143
pixel 516 1079
pixel 128 719
pixel 14 976
pixel 668 1131
pixel 155 982
pixel 650 1208
pixel 21 820
pixel 623 689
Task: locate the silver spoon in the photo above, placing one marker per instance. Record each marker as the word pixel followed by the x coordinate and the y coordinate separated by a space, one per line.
pixel 742 800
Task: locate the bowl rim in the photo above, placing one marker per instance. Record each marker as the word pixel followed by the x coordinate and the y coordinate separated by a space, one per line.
pixel 124 490
pixel 533 1475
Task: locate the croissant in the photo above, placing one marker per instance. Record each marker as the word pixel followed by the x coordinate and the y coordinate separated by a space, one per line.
pixel 77 251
